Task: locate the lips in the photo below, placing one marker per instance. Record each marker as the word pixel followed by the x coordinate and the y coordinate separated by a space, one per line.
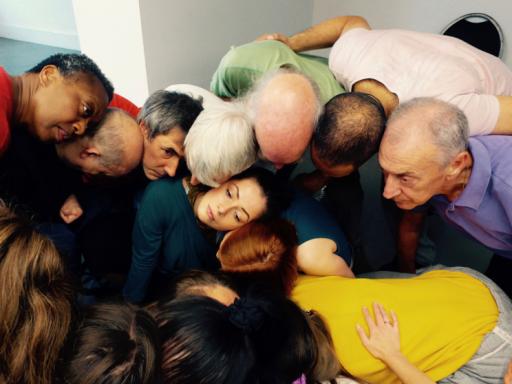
pixel 210 214
pixel 62 135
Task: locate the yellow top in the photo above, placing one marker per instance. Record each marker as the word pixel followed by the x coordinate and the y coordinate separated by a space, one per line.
pixel 443 317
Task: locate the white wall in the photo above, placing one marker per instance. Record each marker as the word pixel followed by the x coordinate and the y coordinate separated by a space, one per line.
pixel 49 22
pixel 113 39
pixel 184 40
pixel 420 15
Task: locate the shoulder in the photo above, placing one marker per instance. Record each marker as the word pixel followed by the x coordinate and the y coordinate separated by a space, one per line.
pixel 164 191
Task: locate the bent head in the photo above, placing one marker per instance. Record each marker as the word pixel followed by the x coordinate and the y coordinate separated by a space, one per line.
pixel 423 151
pixel 165 119
pixel 253 194
pixel 116 343
pixel 114 148
pixel 36 302
pixel 203 340
pixel 348 134
pixel 220 144
pixel 262 251
pixel 72 93
pixel 285 106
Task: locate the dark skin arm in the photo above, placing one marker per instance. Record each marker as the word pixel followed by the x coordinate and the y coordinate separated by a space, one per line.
pixel 409 230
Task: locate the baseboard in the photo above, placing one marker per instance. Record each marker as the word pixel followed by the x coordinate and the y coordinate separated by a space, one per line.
pixel 38 36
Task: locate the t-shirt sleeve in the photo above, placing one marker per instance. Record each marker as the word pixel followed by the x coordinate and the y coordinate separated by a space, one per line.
pixel 5 133
pixel 147 239
pixel 126 105
pixel 482 112
pixel 313 221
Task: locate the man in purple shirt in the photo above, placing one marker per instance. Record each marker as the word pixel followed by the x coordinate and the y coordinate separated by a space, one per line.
pixel 426 157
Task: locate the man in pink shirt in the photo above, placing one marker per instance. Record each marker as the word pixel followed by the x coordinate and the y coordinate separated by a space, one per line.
pixel 395 66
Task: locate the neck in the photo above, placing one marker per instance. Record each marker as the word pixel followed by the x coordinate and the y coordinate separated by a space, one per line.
pixel 458 185
pixel 387 99
pixel 23 89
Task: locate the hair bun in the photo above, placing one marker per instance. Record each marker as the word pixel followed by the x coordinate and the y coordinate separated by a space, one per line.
pixel 246 314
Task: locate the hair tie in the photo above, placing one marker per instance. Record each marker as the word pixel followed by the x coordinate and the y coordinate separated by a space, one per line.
pixel 246 314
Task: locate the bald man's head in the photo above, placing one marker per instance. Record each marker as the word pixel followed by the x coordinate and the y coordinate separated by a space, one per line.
pixel 113 148
pixel 285 106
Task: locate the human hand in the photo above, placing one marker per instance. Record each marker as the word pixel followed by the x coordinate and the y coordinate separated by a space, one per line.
pixel 274 36
pixel 508 377
pixel 71 210
pixel 383 342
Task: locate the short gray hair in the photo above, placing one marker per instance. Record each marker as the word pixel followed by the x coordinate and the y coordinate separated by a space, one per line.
pixel 164 110
pixel 253 95
pixel 445 123
pixel 220 143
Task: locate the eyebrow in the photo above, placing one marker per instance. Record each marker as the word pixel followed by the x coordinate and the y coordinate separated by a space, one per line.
pixel 238 197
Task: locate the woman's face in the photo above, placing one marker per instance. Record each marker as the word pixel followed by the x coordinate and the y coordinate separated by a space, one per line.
pixel 233 204
pixel 162 153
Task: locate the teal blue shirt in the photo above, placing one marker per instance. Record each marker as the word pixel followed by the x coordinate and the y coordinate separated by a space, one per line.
pixel 166 237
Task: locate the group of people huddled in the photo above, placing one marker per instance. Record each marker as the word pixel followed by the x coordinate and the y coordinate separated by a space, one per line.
pixel 176 243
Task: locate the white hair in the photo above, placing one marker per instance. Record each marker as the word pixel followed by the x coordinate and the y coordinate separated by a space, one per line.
pixel 445 123
pixel 220 143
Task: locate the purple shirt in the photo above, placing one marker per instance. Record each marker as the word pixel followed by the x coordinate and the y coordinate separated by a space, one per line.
pixel 484 209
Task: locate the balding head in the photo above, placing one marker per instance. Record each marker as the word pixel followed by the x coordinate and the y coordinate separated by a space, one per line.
pixel 113 148
pixel 285 106
pixel 423 151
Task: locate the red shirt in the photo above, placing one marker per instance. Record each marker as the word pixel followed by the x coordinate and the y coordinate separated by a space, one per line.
pixel 6 107
pixel 126 105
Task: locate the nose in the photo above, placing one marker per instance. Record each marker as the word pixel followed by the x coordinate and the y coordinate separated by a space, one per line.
pixel 391 187
pixel 224 208
pixel 171 166
pixel 79 127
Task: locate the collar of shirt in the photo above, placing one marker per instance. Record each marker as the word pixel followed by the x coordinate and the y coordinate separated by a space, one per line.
pixel 474 193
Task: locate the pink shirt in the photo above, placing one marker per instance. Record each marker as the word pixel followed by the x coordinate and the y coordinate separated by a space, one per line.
pixel 413 64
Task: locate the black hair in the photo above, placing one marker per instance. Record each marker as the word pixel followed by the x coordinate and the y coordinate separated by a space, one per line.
pixel 164 110
pixel 116 343
pixel 264 340
pixel 276 190
pixel 70 64
pixel 350 129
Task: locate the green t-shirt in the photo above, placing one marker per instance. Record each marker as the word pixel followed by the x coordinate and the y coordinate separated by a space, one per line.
pixel 243 65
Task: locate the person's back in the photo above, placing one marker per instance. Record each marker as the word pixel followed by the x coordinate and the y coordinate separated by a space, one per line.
pixel 444 316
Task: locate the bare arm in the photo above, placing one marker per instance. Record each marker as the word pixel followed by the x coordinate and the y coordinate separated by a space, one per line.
pixel 383 342
pixel 408 236
pixel 504 123
pixel 318 257
pixel 322 35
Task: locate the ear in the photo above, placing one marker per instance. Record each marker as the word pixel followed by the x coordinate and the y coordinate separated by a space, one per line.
pixel 48 74
pixel 89 152
pixel 458 164
pixel 144 130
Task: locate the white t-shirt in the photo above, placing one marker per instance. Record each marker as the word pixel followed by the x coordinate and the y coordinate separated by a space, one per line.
pixel 413 64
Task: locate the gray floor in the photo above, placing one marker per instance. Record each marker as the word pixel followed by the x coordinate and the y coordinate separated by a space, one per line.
pixel 447 246
pixel 19 56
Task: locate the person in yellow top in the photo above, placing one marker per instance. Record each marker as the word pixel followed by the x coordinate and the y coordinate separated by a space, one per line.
pixel 455 325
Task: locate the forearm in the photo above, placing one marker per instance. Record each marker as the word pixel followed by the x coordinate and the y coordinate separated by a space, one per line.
pixel 408 237
pixel 325 34
pixel 405 370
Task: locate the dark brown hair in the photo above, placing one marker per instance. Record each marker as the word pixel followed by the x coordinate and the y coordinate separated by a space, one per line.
pixel 35 302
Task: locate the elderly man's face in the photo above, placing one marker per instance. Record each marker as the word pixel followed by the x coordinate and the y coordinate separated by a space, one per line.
pixel 411 174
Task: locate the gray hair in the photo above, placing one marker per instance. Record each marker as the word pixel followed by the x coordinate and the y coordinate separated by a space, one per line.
pixel 164 110
pixel 254 94
pixel 220 143
pixel 445 123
